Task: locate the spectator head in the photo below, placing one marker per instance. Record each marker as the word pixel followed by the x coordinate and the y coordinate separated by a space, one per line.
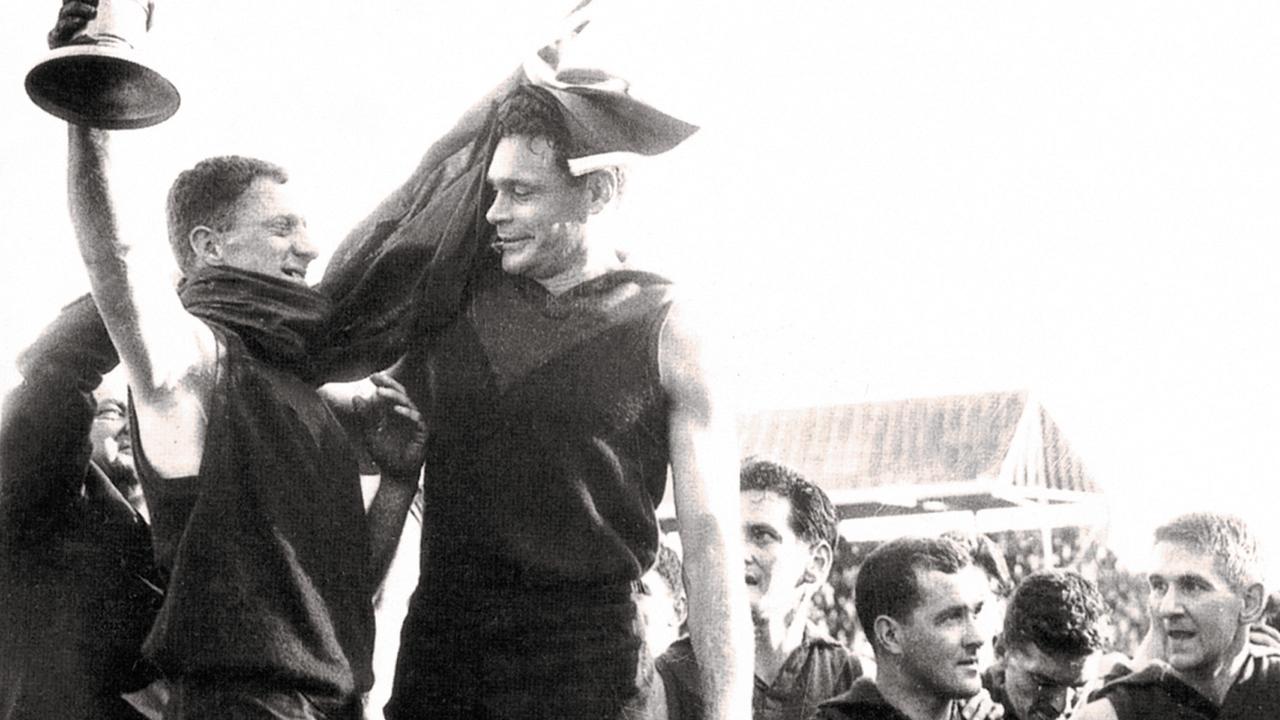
pixel 234 211
pixel 1207 587
pixel 920 600
pixel 664 605
pixel 111 439
pixel 1052 631
pixel 789 530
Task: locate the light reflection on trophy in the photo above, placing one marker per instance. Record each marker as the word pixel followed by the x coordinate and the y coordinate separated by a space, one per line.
pixel 98 80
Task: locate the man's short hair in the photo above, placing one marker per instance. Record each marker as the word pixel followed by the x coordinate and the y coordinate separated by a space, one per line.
pixel 669 569
pixel 207 195
pixel 813 518
pixel 1060 612
pixel 1235 549
pixel 533 112
pixel 887 582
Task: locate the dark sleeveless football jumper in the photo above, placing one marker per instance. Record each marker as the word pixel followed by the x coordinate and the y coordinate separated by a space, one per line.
pixel 267 546
pixel 547 456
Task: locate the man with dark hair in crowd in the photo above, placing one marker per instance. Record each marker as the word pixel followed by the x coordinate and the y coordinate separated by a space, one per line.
pixel 252 484
pixel 1052 633
pixel 789 529
pixel 79 585
pixel 919 601
pixel 1207 590
pixel 557 399
pixel 664 604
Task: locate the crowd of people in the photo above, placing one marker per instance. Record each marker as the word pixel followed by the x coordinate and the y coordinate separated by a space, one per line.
pixel 203 546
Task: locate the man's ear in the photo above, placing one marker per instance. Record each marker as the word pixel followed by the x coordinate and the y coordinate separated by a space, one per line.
pixel 206 244
pixel 602 188
pixel 888 634
pixel 819 566
pixel 1255 604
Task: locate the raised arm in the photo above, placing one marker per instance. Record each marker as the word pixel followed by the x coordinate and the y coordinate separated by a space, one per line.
pixel 704 463
pixel 168 354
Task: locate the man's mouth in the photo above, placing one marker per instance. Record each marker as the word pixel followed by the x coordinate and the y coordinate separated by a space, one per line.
pixel 1179 635
pixel 751 580
pixel 298 274
pixel 505 243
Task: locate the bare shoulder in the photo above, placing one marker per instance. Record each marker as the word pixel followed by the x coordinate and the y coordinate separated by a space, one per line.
pixel 692 348
pixel 1098 710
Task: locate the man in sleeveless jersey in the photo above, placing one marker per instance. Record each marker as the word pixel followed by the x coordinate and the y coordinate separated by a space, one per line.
pixel 557 401
pixel 252 485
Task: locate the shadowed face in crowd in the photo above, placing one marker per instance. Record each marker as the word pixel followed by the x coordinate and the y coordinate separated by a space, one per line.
pixel 939 640
pixel 1198 610
pixel 776 558
pixel 1041 685
pixel 662 616
pixel 109 434
pixel 539 210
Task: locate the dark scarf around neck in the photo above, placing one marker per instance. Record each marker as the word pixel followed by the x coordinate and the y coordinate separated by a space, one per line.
pixel 282 323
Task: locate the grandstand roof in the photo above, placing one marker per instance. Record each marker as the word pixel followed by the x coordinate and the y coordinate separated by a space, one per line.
pixel 962 452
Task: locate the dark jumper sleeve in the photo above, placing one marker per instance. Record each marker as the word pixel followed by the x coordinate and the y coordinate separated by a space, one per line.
pixel 44 438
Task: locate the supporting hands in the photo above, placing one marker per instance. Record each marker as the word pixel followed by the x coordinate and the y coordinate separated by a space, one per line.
pixel 393 429
pixel 72 18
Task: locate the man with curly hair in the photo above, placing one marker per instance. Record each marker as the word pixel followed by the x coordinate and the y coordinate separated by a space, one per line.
pixel 1052 636
pixel 1207 590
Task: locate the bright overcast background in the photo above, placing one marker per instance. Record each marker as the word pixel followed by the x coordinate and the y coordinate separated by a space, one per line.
pixel 888 199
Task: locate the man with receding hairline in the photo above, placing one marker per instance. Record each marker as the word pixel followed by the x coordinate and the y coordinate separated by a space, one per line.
pixel 1207 589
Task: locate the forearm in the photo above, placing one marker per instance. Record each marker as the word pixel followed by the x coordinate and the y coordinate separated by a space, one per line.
pixel 159 343
pixel 385 520
pixel 719 623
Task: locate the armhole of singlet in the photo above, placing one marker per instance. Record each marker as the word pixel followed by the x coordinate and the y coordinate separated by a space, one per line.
pixel 141 463
pixel 660 320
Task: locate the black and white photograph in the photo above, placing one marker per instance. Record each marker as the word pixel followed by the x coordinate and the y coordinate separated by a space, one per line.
pixel 598 359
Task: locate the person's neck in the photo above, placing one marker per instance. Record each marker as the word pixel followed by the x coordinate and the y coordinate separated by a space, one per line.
pixel 776 639
pixel 909 697
pixel 598 261
pixel 1216 681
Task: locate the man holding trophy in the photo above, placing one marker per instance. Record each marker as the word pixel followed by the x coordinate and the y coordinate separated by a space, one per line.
pixel 248 475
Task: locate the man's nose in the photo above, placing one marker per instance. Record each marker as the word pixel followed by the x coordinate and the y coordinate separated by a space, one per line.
pixel 303 247
pixel 973 637
pixel 1170 604
pixel 499 211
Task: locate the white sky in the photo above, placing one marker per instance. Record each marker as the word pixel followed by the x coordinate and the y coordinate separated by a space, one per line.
pixel 887 199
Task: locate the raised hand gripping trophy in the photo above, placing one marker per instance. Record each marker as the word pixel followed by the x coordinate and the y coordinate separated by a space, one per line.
pixel 96 78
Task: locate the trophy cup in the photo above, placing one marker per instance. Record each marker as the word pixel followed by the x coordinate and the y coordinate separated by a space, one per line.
pixel 98 79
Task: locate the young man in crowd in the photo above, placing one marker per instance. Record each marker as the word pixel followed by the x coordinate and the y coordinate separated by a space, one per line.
pixel 789 531
pixel 1207 590
pixel 1051 641
pixel 920 603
